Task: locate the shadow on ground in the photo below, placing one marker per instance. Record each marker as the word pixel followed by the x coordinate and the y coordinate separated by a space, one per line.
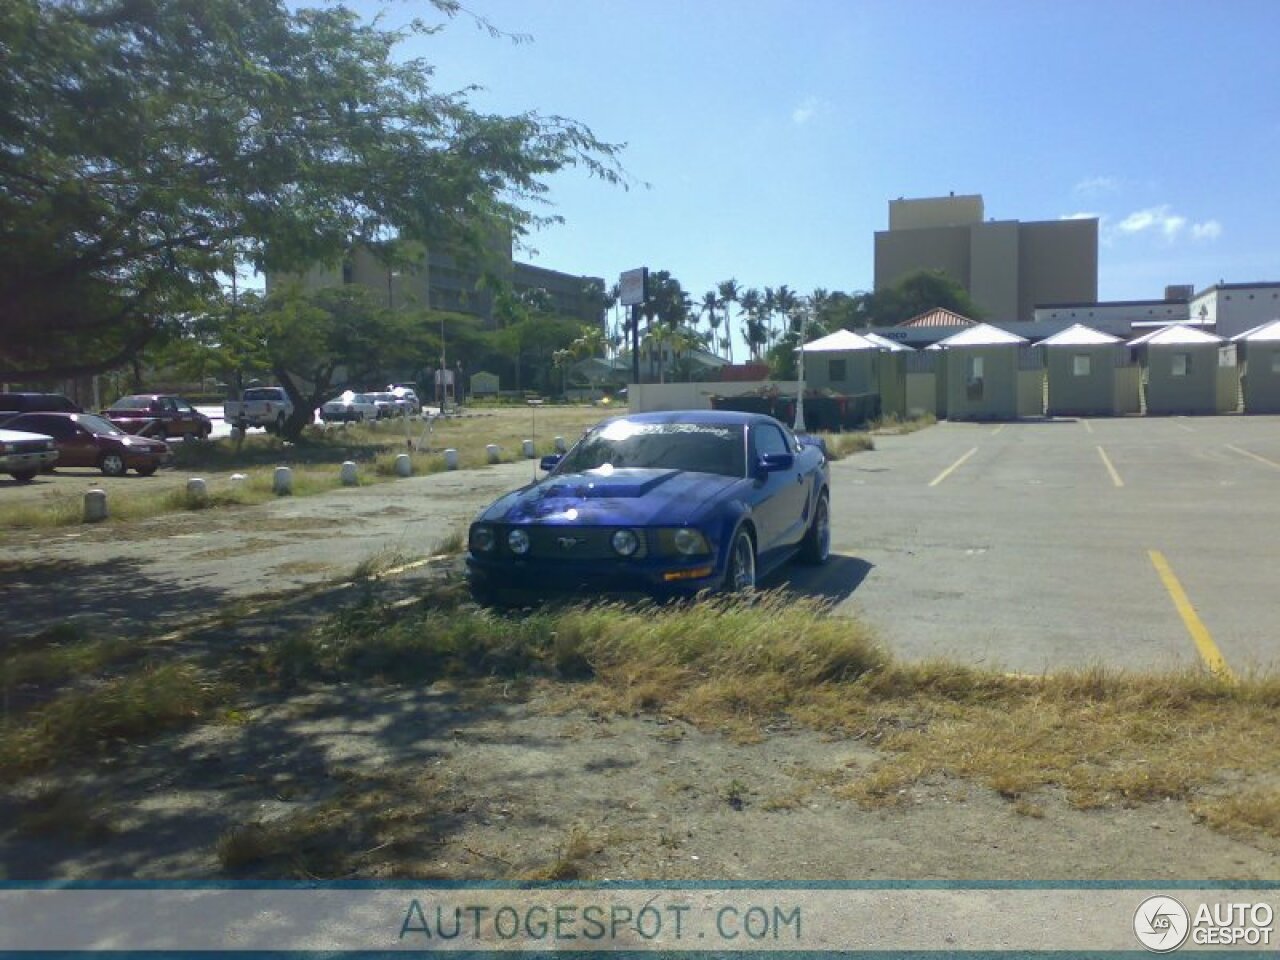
pixel 833 582
pixel 42 593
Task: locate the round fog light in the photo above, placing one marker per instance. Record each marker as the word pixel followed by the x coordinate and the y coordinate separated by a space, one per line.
pixel 482 539
pixel 518 541
pixel 626 542
pixel 690 542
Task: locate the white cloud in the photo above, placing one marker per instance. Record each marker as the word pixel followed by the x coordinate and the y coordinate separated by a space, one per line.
pixel 1159 219
pixel 1081 216
pixel 1209 230
pixel 805 111
pixel 1093 186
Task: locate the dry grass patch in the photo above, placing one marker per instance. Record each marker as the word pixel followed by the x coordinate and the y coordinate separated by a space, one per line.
pixel 893 426
pixel 841 445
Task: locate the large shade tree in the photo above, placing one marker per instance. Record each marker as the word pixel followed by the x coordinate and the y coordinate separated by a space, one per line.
pixel 149 146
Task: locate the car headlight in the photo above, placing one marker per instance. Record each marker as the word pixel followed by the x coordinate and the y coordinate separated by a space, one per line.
pixel 482 539
pixel 690 542
pixel 518 541
pixel 625 542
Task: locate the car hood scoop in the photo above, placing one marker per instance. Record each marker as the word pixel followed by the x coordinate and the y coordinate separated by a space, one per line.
pixel 602 483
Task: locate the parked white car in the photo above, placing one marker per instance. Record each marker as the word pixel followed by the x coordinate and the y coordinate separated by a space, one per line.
pixel 407 401
pixel 349 407
pixel 24 454
pixel 387 406
pixel 267 407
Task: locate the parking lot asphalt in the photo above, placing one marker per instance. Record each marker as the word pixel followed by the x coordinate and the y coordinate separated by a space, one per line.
pixel 1135 543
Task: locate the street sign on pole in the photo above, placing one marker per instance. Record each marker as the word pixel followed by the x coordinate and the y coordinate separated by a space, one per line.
pixel 633 287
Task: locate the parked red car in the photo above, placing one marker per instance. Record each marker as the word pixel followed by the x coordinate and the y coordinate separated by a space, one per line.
pixel 159 415
pixel 87 440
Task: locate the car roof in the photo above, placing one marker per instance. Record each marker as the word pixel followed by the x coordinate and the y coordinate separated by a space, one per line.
pixel 710 417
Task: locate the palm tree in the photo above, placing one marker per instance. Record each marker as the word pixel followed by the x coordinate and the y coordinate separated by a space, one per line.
pixel 710 306
pixel 753 331
pixel 728 290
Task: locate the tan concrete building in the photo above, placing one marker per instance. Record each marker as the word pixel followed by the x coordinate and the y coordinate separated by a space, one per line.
pixel 1007 266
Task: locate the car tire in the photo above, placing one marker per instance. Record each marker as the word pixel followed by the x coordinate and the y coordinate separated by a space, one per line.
pixel 740 569
pixel 146 471
pixel 24 476
pixel 815 548
pixel 112 465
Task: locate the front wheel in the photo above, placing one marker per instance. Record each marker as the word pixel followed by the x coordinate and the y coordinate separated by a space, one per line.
pixel 815 548
pixel 24 476
pixel 112 464
pixel 740 577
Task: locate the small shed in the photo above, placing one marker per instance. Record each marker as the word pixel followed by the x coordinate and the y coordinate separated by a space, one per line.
pixel 484 384
pixel 979 370
pixel 1260 349
pixel 1180 370
pixel 1082 364
pixel 843 362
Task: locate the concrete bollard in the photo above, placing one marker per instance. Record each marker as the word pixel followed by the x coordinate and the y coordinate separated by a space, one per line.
pixel 238 479
pixel 237 433
pixel 95 506
pixel 529 452
pixel 350 473
pixel 560 445
pixel 197 491
pixel 404 465
pixel 282 482
pixel 451 459
pixel 493 452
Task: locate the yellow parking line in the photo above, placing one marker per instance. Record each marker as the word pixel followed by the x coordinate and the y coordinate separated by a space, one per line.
pixel 1087 425
pixel 998 429
pixel 947 472
pixel 1106 461
pixel 1209 651
pixel 1254 456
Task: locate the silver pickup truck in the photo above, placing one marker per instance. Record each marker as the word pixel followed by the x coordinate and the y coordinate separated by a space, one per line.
pixel 267 407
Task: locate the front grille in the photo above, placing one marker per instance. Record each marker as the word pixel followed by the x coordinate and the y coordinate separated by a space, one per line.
pixel 577 543
pixel 29 446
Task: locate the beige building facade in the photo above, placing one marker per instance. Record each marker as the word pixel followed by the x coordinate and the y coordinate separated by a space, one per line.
pixel 1007 266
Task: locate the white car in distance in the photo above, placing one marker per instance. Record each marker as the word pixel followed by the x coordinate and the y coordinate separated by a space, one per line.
pixel 350 407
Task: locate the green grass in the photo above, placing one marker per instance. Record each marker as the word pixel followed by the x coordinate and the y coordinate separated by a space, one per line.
pixel 1099 738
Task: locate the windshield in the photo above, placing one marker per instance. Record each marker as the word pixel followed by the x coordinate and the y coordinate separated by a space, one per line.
pixel 697 447
pixel 97 424
pixel 132 403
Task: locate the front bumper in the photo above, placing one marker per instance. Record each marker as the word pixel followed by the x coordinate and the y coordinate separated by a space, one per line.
pixel 21 462
pixel 651 578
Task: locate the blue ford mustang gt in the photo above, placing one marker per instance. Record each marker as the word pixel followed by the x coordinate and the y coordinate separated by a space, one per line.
pixel 660 503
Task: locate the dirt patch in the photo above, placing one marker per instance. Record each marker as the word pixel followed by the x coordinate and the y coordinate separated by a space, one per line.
pixel 498 782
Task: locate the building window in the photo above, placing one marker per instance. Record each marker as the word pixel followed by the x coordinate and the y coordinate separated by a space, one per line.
pixel 837 370
pixel 1181 365
pixel 1275 362
pixel 1080 365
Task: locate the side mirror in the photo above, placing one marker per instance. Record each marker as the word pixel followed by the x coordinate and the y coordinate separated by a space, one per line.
pixel 775 462
pixel 550 462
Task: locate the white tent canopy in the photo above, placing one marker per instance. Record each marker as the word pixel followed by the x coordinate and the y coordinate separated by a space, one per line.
pixel 1175 335
pixel 981 335
pixel 1268 332
pixel 842 341
pixel 1078 335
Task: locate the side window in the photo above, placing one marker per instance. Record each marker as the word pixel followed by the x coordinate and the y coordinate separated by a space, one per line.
pixel 837 370
pixel 769 439
pixel 168 405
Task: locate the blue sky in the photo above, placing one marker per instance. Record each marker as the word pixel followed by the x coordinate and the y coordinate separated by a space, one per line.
pixel 773 134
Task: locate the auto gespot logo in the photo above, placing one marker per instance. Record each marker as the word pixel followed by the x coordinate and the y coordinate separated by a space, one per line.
pixel 1162 924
